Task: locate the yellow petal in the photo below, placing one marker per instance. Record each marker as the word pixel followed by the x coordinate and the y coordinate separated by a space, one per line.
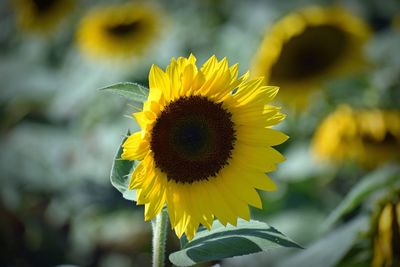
pixel 206 217
pixel 135 148
pixel 141 119
pixel 209 66
pixel 157 199
pixel 260 136
pixel 250 175
pixel 138 176
pixel 225 213
pixel 158 80
pixel 236 200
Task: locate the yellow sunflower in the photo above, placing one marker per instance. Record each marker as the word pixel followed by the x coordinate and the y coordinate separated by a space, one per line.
pixel 118 31
pixel 41 15
pixel 204 145
pixel 386 241
pixel 306 47
pixel 370 137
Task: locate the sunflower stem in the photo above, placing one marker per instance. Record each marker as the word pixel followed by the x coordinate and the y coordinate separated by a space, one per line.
pixel 159 238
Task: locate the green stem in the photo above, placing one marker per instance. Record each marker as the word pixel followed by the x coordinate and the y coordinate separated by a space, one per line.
pixel 159 238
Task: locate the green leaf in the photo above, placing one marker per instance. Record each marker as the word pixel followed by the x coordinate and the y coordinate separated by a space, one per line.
pixel 131 91
pixel 224 242
pixel 330 249
pixel 120 173
pixel 380 178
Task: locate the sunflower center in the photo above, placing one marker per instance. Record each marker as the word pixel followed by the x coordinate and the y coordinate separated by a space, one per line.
pixel 389 140
pixel 124 28
pixel 192 139
pixel 43 5
pixel 311 53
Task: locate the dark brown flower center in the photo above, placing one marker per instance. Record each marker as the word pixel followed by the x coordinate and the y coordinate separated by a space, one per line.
pixel 390 140
pixel 192 139
pixel 124 29
pixel 43 5
pixel 311 53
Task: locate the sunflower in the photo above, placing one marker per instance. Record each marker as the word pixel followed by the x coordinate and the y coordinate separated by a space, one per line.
pixel 118 31
pixel 386 241
pixel 204 145
pixel 370 137
pixel 309 46
pixel 41 15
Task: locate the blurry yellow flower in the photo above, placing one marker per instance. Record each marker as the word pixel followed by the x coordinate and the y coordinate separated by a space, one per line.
pixel 204 150
pixel 387 235
pixel 41 15
pixel 370 137
pixel 309 46
pixel 118 31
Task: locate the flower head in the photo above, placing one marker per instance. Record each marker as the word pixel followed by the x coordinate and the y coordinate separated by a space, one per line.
pixel 204 145
pixel 370 137
pixel 41 15
pixel 309 46
pixel 118 31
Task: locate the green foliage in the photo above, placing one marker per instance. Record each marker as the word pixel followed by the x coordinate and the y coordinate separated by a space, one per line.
pixel 223 242
pixel 383 177
pixel 121 168
pixel 120 173
pixel 132 91
pixel 328 250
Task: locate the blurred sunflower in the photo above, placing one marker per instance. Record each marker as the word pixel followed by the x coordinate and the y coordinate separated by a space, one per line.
pixel 204 145
pixel 118 31
pixel 370 137
pixel 41 15
pixel 386 241
pixel 309 46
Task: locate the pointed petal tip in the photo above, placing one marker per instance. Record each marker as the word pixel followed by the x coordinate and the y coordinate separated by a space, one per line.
pixel 192 57
pixel 153 67
pixel 272 187
pixel 246 219
pixel 148 218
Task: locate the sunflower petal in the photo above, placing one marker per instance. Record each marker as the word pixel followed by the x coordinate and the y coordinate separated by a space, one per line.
pixel 135 148
pixel 158 80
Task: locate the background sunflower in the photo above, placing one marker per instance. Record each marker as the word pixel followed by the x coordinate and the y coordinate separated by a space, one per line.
pixel 118 31
pixel 58 133
pixel 309 46
pixel 41 15
pixel 371 137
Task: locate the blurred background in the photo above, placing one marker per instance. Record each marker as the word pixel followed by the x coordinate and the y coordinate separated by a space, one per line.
pixel 338 66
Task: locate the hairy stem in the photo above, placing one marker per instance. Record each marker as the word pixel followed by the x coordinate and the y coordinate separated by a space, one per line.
pixel 159 238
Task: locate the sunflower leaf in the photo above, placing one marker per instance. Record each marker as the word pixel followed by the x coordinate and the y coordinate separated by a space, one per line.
pixel 380 178
pixel 326 251
pixel 120 173
pixel 224 242
pixel 131 91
